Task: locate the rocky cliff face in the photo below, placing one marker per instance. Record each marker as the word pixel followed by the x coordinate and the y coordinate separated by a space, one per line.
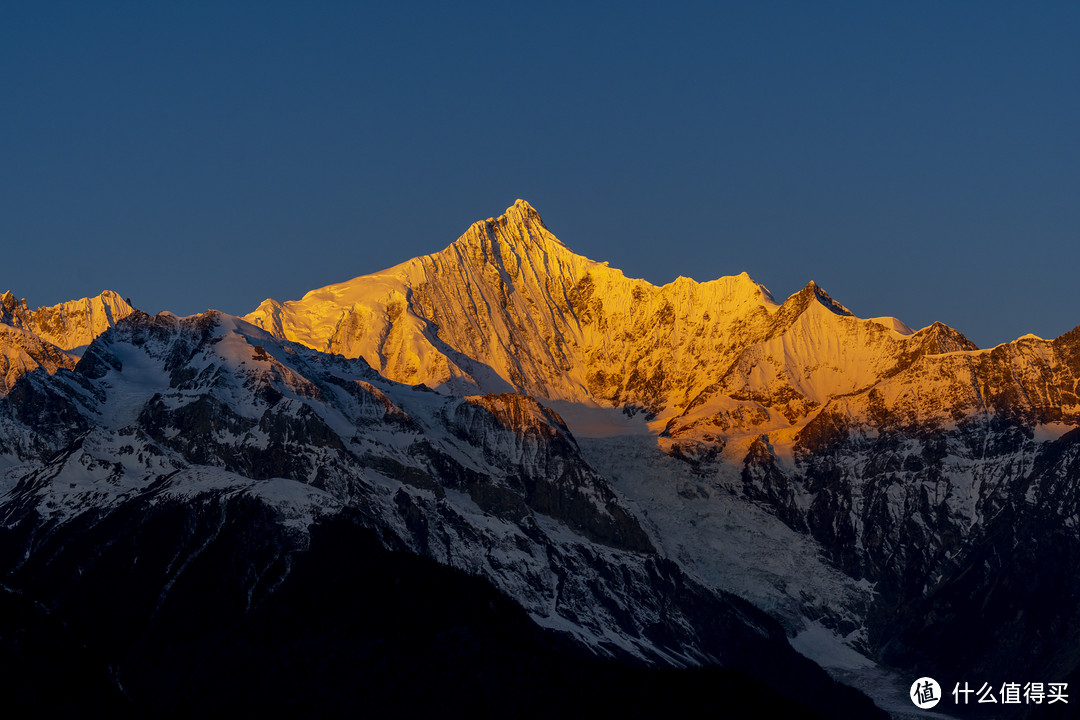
pixel 21 352
pixel 69 325
pixel 47 336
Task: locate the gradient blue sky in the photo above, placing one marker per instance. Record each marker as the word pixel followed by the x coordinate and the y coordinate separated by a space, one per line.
pixel 915 159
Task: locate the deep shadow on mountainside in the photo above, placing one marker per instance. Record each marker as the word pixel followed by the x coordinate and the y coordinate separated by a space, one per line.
pixel 354 630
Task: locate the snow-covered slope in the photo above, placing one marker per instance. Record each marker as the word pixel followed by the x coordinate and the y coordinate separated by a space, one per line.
pixel 169 410
pixel 509 306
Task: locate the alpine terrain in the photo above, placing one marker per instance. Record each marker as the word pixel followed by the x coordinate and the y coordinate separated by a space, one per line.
pixel 507 479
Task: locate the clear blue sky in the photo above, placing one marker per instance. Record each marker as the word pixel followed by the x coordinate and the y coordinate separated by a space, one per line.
pixel 917 159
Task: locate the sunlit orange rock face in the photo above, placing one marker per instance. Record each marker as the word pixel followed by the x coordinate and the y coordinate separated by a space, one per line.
pixel 47 337
pixel 508 307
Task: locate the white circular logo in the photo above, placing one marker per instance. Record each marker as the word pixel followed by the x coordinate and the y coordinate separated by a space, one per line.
pixel 925 693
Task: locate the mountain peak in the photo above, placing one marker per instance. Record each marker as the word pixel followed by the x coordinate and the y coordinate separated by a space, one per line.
pixel 509 307
pixel 12 310
pixel 67 325
pixel 805 298
pixel 518 228
pixel 750 286
pixel 524 209
pixel 815 290
pixel 521 213
pixel 47 336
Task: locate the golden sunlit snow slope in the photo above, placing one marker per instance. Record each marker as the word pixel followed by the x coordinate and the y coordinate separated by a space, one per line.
pixel 509 307
pixel 47 336
pixel 69 325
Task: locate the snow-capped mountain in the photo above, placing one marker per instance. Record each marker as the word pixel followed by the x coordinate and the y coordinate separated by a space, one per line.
pixel 676 475
pixel 900 455
pixel 50 337
pixel 509 306
pixel 70 325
